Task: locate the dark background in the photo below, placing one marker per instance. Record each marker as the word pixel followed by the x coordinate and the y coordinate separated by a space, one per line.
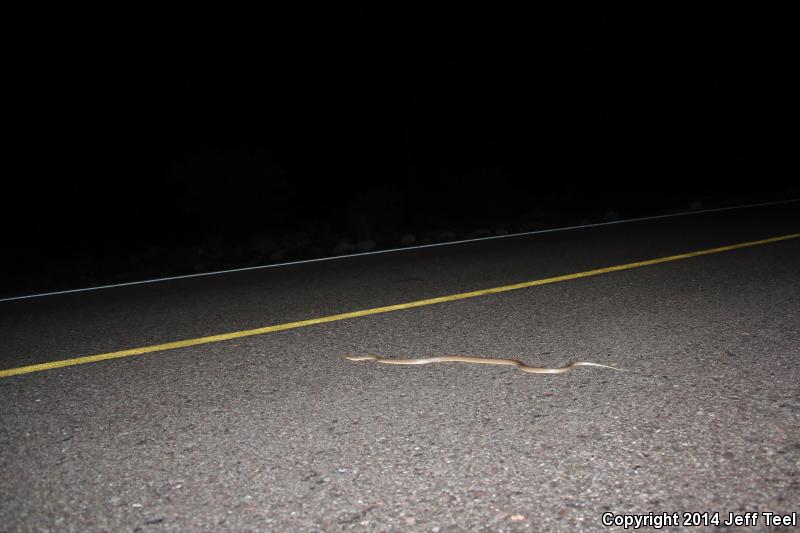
pixel 147 146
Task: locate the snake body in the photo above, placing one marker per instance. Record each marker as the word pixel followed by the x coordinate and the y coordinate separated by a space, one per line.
pixel 479 360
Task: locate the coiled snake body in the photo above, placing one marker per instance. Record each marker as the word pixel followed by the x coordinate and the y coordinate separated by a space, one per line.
pixel 479 360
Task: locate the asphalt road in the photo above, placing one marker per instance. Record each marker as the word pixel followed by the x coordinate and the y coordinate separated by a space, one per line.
pixel 278 432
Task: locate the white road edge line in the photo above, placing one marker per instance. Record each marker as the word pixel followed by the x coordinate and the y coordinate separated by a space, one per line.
pixel 405 248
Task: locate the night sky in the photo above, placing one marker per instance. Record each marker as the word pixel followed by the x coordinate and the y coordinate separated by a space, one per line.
pixel 151 147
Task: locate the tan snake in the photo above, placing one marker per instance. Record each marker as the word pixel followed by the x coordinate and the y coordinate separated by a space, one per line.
pixel 480 360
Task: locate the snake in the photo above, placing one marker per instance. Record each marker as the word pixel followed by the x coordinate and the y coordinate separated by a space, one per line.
pixel 479 360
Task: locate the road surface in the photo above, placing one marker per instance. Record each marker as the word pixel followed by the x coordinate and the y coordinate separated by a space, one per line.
pixel 277 432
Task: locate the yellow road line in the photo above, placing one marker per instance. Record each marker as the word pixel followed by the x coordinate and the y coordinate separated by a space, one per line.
pixel 376 310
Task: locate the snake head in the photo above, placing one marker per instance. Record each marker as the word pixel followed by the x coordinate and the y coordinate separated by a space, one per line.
pixel 360 357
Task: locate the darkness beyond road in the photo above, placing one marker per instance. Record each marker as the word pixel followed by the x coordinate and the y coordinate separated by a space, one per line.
pixel 277 432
